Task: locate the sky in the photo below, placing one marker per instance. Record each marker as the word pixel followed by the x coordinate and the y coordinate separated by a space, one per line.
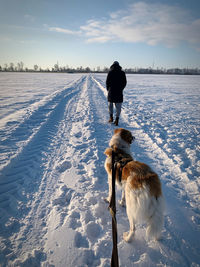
pixel 90 33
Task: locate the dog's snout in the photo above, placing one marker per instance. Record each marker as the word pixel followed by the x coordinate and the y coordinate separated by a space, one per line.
pixel 133 138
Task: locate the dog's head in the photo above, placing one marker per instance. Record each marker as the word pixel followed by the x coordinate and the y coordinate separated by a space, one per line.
pixel 125 135
pixel 121 140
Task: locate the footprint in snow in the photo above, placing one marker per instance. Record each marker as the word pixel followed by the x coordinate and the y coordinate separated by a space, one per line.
pixel 74 220
pixel 74 223
pixel 80 241
pixel 64 198
pixel 93 230
pixel 64 166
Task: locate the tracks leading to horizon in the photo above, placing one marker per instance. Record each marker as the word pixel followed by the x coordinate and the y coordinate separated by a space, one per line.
pixel 52 190
pixel 26 180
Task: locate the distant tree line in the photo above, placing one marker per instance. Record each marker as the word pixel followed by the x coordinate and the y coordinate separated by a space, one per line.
pixel 20 67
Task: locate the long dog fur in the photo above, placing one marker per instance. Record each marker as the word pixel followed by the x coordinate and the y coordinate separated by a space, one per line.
pixel 141 187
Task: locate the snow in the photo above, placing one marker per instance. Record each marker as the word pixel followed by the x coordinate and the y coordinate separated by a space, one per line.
pixel 54 130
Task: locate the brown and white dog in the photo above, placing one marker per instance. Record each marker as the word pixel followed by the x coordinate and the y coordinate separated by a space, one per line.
pixel 141 187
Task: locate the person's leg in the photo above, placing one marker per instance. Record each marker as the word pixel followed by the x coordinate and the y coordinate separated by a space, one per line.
pixel 118 109
pixel 118 112
pixel 110 108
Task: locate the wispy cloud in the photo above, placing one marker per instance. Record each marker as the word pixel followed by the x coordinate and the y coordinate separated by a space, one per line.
pixel 63 30
pixel 145 22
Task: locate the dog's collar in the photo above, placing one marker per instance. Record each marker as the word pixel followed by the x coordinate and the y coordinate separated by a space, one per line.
pixel 120 168
pixel 120 160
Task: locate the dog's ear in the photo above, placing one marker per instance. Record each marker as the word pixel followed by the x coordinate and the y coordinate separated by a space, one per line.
pixel 115 148
pixel 126 136
pixel 108 152
pixel 117 130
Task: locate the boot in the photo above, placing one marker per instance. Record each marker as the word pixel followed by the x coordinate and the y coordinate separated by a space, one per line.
pixel 116 121
pixel 111 118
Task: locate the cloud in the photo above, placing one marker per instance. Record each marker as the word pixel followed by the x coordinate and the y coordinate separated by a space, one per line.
pixel 93 31
pixel 65 31
pixel 145 22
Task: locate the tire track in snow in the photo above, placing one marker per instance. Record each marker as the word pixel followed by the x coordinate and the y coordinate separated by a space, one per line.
pixel 22 131
pixel 86 214
pixel 26 183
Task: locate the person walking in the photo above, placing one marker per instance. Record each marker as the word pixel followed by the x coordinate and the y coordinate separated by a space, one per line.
pixel 115 84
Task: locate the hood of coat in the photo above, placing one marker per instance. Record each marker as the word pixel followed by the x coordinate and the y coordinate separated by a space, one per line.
pixel 115 66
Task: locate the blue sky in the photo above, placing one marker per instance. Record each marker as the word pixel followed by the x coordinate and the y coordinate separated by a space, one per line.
pixel 159 33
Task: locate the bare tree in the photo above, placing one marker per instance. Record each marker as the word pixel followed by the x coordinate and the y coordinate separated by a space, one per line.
pixel 20 66
pixel 36 67
pixel 56 67
pixel 6 67
pixel 11 68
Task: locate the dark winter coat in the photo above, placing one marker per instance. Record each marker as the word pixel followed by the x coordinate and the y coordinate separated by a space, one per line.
pixel 115 84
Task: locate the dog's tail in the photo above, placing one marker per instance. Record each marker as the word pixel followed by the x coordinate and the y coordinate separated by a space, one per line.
pixel 156 221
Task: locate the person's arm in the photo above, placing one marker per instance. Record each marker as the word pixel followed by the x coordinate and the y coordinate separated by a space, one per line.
pixel 124 81
pixel 108 81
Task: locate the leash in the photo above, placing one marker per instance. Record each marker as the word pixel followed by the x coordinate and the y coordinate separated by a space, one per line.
pixel 112 206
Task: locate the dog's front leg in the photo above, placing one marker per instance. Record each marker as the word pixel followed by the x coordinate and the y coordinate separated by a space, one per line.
pixel 109 188
pixel 128 236
pixel 122 201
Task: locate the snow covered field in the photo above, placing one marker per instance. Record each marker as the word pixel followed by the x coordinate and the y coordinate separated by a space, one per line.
pixel 53 132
